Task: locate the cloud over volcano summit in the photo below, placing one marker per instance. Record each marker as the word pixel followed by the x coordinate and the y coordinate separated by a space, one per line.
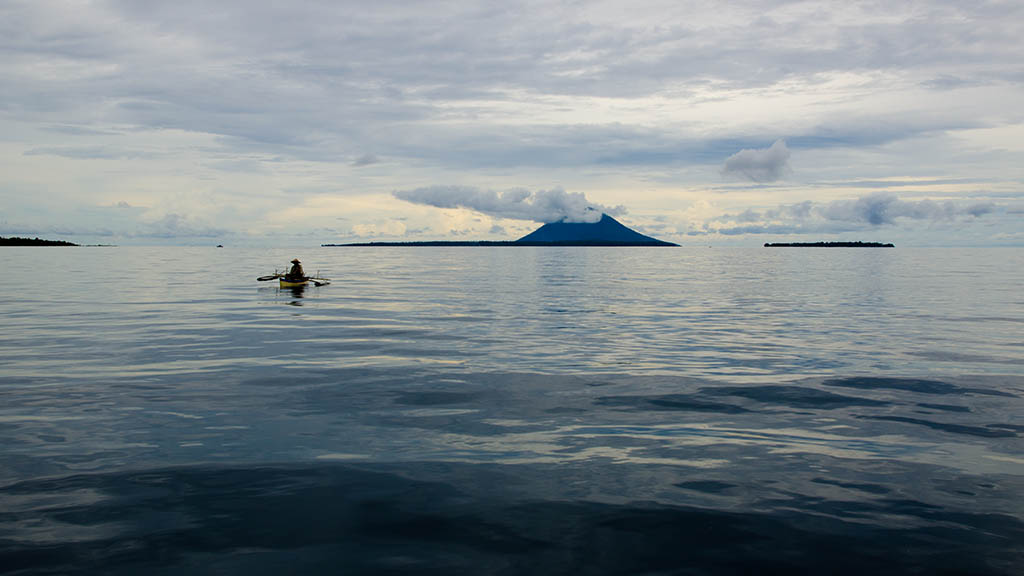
pixel 555 205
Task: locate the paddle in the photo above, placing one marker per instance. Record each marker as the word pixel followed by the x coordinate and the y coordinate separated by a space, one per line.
pixel 270 277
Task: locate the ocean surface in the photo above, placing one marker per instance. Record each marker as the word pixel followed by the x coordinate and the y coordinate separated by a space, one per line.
pixel 512 411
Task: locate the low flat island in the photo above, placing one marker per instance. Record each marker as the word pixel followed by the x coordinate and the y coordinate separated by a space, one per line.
pixel 827 245
pixel 16 241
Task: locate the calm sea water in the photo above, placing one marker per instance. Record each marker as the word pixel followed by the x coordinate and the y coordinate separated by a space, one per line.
pixel 512 411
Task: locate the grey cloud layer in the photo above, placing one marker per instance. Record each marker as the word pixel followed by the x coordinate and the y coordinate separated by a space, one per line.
pixel 541 206
pixel 323 80
pixel 879 209
pixel 869 211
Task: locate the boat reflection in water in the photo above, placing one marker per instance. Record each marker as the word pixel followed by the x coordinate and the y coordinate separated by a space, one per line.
pixel 292 295
pixel 296 291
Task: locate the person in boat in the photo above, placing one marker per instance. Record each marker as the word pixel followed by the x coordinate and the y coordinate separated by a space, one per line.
pixel 296 274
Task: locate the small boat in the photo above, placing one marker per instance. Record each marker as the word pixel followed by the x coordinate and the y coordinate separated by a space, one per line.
pixel 295 278
pixel 288 282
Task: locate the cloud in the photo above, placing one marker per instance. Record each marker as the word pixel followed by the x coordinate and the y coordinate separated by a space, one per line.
pixel 90 153
pixel 177 226
pixel 78 130
pixel 886 208
pixel 759 165
pixel 864 213
pixel 365 160
pixel 380 228
pixel 541 206
pixel 322 81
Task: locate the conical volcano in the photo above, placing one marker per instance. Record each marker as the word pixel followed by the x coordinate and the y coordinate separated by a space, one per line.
pixel 605 232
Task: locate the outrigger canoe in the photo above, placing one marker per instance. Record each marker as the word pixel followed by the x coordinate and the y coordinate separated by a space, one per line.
pixel 294 283
pixel 286 282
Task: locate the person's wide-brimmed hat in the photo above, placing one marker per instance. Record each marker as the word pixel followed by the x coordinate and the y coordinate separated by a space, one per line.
pixel 296 261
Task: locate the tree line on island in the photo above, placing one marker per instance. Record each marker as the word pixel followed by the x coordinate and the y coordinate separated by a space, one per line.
pixel 857 244
pixel 18 241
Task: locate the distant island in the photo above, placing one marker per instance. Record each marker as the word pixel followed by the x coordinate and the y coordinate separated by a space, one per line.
pixel 16 241
pixel 605 232
pixel 827 245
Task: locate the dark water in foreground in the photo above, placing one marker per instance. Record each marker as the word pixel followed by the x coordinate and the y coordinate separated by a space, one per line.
pixel 509 411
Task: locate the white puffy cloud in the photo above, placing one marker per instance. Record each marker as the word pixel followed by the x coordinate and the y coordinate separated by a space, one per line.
pixel 541 206
pixel 759 165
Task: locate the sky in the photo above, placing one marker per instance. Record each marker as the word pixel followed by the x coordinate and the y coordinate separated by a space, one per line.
pixel 249 122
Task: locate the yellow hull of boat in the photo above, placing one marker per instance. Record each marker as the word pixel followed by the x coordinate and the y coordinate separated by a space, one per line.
pixel 287 284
